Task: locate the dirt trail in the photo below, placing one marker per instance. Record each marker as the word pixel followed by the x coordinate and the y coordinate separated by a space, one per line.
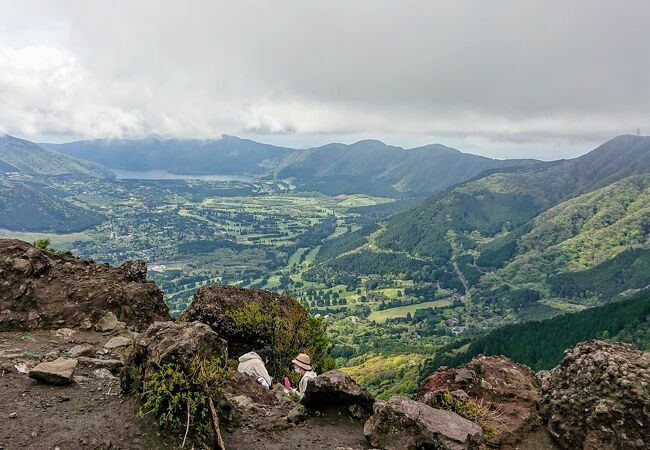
pixel 89 414
pixel 462 277
pixel 328 432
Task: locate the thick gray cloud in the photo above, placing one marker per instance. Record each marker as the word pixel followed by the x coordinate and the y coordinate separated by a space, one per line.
pixel 548 78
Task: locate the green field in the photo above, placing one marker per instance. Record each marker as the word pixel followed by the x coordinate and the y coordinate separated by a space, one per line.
pixel 402 311
pixel 359 200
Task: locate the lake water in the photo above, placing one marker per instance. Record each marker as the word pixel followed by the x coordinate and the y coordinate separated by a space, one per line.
pixel 164 175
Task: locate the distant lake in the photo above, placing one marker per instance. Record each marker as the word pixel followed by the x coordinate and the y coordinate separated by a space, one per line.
pixel 164 175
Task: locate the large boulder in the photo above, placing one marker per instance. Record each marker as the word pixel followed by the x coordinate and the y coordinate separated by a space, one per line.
pixel 169 343
pixel 176 343
pixel 215 306
pixel 244 400
pixel 336 388
pixel 57 372
pixel 510 391
pixel 403 424
pixel 40 289
pixel 599 397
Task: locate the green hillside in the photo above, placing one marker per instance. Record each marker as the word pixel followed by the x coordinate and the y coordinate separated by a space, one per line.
pixel 29 206
pixel 227 155
pixel 368 166
pixel 18 155
pixel 541 345
pixel 372 166
pixel 510 238
pixel 580 240
pixel 503 201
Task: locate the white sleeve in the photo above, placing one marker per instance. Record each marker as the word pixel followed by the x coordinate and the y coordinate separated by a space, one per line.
pixel 263 382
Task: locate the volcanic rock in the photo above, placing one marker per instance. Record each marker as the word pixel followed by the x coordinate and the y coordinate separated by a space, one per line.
pixel 44 290
pixel 336 388
pixel 599 397
pixel 111 364
pixel 80 350
pixel 510 390
pixel 117 342
pixel 57 372
pixel 403 424
pixel 215 305
pixel 108 322
pixel 175 343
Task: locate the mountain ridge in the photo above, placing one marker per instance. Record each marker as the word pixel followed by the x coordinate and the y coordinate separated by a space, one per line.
pixel 20 155
pixel 367 166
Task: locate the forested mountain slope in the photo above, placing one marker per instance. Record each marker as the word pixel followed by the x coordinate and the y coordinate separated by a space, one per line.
pixel 28 205
pixel 368 166
pixel 541 345
pixel 19 155
pixel 598 236
pixel 516 239
pixel 372 166
pixel 503 201
pixel 228 155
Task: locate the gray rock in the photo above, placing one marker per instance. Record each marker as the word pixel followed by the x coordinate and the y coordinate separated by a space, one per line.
pixel 86 324
pixel 460 394
pixel 296 415
pixel 403 424
pixel 111 364
pixel 103 374
pixel 357 412
pixel 108 322
pixel 51 355
pixel 336 388
pixel 136 270
pixel 23 266
pixel 465 376
pixel 171 342
pixel 57 372
pixel 80 350
pixel 117 342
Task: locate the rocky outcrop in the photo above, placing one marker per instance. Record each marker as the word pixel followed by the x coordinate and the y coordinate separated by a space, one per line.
pixel 215 305
pixel 40 289
pixel 245 400
pixel 336 388
pixel 172 343
pixel 403 424
pixel 599 397
pixel 57 372
pixel 508 389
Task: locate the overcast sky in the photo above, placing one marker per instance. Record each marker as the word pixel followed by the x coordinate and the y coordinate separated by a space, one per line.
pixel 544 78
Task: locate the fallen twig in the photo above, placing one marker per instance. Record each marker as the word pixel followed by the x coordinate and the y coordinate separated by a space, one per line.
pixel 187 427
pixel 215 419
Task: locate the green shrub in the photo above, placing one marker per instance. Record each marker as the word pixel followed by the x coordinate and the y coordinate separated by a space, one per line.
pixel 287 335
pixel 174 392
pixel 43 244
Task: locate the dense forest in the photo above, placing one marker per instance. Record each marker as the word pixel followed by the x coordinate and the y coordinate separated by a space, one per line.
pixel 541 345
pixel 345 243
pixel 627 270
pixel 368 263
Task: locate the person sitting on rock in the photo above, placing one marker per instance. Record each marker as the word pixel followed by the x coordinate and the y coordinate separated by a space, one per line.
pixel 302 365
pixel 254 364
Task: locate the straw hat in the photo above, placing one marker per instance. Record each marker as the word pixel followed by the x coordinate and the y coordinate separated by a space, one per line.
pixel 303 361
